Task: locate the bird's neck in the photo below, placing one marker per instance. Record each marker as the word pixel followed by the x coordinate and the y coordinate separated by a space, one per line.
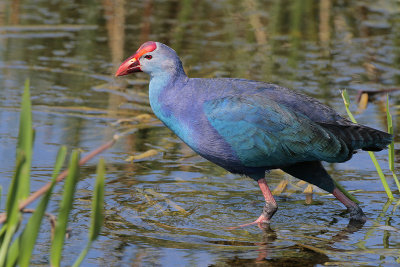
pixel 162 82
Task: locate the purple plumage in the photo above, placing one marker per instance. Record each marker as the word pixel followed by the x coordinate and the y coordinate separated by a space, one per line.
pixel 248 127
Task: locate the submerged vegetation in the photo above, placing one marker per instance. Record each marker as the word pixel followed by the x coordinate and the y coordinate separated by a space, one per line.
pixel 17 238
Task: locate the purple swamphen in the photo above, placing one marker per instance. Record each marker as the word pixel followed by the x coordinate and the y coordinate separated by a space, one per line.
pixel 249 127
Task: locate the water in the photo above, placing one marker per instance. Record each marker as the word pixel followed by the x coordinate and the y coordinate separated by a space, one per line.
pixel 171 209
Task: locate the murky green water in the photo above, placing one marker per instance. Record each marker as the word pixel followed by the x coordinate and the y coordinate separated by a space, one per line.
pixel 171 209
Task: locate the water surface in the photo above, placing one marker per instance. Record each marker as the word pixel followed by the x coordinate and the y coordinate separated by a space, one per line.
pixel 171 209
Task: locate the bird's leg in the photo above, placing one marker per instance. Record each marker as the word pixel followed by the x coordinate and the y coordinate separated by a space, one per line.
pixel 270 206
pixel 356 213
pixel 269 209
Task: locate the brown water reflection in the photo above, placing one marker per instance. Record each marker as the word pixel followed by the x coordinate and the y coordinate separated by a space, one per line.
pixel 172 209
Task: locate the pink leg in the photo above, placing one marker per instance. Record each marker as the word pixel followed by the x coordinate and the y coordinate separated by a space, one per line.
pixel 356 213
pixel 269 209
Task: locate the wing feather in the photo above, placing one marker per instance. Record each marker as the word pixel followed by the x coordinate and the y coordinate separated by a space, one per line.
pixel 264 133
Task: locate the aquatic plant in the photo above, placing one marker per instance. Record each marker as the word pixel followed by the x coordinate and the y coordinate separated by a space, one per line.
pixel 346 101
pixel 16 245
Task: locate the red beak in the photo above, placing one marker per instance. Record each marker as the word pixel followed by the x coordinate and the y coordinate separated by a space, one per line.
pixel 130 65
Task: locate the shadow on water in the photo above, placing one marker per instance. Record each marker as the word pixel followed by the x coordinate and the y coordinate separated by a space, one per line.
pixel 171 207
pixel 299 255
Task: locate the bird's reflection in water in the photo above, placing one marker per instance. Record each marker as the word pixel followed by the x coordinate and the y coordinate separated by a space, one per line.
pixel 299 254
pixel 352 227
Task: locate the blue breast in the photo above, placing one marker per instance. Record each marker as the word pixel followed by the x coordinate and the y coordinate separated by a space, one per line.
pixel 180 106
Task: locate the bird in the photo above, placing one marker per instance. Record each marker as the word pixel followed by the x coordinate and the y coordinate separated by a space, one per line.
pixel 250 127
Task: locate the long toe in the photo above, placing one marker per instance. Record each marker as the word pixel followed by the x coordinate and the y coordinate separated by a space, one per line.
pixel 262 222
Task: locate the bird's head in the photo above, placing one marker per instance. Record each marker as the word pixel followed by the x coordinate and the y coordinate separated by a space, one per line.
pixel 151 58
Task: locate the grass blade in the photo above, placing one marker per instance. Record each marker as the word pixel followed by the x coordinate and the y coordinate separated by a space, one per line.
pixel 390 130
pixel 98 202
pixel 13 213
pixel 20 184
pixel 97 211
pixel 11 229
pixel 65 208
pixel 346 100
pixel 25 141
pixel 381 175
pixel 26 241
pixel 391 146
pixel 12 198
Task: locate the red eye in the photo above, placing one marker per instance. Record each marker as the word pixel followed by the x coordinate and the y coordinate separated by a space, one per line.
pixel 148 56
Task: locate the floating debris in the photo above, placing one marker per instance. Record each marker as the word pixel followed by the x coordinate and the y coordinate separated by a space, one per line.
pixel 147 154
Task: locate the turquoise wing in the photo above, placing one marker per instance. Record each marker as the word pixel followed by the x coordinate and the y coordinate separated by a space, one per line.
pixel 264 133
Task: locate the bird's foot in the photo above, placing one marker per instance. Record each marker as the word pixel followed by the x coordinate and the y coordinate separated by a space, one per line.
pixel 269 209
pixel 262 223
pixel 357 216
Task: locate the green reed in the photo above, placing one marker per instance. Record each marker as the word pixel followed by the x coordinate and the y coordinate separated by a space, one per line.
pixel 391 146
pixel 16 245
pixel 385 184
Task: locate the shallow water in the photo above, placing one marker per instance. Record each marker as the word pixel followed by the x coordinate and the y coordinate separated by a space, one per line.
pixel 171 209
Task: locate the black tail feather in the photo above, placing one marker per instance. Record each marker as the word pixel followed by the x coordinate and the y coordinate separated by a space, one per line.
pixel 358 136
